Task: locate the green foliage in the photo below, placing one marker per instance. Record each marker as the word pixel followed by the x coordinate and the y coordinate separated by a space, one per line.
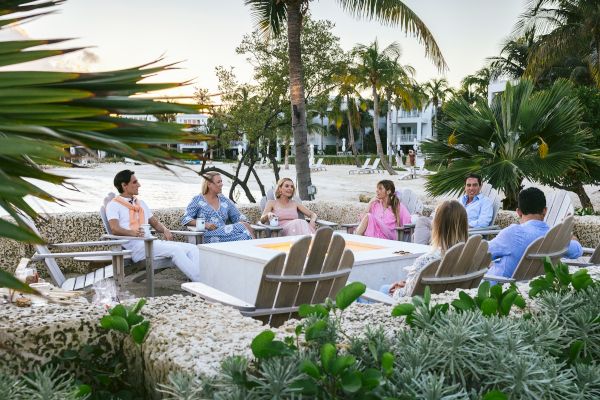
pixel 43 113
pixel 420 313
pixel 46 383
pixel 126 319
pixel 524 134
pixel 558 279
pixel 7 280
pixel 490 300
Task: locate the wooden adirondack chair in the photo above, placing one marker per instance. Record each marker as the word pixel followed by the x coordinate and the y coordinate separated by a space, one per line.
pixel 274 230
pixel 313 270
pixel 553 244
pixel 149 263
pixel 462 267
pixel 115 254
pixel 364 167
pixel 593 260
pixel 558 206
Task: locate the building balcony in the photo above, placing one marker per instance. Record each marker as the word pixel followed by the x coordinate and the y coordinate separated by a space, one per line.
pixel 408 137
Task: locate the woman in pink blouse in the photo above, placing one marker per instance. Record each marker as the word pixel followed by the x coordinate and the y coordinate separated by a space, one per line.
pixel 385 213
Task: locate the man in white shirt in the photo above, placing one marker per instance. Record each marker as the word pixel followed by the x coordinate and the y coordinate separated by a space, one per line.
pixel 126 213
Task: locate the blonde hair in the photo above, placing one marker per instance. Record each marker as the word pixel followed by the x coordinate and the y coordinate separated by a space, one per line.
pixel 280 184
pixel 208 177
pixel 450 225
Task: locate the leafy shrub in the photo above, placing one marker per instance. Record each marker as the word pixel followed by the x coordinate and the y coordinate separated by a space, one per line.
pixel 558 279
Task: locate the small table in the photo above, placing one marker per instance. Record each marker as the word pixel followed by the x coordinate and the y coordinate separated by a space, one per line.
pixel 236 267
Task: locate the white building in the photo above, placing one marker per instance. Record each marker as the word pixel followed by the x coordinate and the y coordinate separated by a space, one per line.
pixel 410 127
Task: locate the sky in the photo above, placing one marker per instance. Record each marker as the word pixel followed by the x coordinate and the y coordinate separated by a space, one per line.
pixel 202 34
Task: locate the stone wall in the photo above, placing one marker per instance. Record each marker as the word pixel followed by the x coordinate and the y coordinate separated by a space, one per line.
pixel 76 227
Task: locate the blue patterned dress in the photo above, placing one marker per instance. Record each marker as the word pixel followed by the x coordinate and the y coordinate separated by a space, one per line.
pixel 227 219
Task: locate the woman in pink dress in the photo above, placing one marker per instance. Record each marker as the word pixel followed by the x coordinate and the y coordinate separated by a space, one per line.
pixel 287 209
pixel 385 213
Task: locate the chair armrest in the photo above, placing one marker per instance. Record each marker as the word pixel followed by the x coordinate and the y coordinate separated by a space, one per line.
pixel 378 297
pixel 484 232
pixel 575 263
pixel 189 233
pixel 486 228
pixel 37 257
pixel 588 250
pixel 259 228
pixel 405 227
pixel 269 227
pixel 83 244
pixel 499 279
pixel 326 223
pixel 145 239
pixel 211 294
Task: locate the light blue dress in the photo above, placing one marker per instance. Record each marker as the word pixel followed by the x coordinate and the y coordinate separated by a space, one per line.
pixel 227 219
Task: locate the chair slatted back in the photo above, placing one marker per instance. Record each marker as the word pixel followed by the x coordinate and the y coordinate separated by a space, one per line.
pixel 109 197
pixel 331 264
pixel 558 205
pixel 314 263
pixel 411 201
pixel 450 258
pixel 375 164
pixel 53 269
pixel 531 263
pixel 463 265
pixel 267 290
pixel 488 191
pixel 595 257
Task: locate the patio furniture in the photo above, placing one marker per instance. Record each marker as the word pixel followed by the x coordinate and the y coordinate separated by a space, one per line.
pixel 370 169
pixel 553 244
pixel 558 206
pixel 593 260
pixel 462 267
pixel 116 255
pixel 364 167
pixel 318 166
pixel 313 270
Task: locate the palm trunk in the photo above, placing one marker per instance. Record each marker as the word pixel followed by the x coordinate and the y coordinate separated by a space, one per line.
pixel 388 126
pixel 376 133
pixel 583 196
pixel 351 142
pixel 322 134
pixel 299 129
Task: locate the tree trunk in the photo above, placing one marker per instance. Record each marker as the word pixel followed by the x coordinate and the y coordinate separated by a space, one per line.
pixel 388 126
pixel 351 142
pixel 376 133
pixel 294 25
pixel 583 196
pixel 322 134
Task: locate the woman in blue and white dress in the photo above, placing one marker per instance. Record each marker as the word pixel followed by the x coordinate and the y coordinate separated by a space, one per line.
pixel 223 221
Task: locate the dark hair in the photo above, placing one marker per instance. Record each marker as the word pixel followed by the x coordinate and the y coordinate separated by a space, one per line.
pixel 121 178
pixel 393 200
pixel 478 177
pixel 531 201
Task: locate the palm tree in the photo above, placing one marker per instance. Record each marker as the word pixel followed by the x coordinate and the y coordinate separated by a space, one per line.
pixel 346 83
pixel 375 66
pixel 522 135
pixel 437 90
pixel 514 56
pixel 270 16
pixel 568 28
pixel 43 113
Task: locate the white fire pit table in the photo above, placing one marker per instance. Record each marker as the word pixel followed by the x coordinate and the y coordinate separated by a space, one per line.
pixel 236 267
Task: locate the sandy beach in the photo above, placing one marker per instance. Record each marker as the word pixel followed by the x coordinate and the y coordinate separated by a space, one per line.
pixel 175 188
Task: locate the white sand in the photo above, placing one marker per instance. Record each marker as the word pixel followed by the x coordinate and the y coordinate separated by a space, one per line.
pixel 162 189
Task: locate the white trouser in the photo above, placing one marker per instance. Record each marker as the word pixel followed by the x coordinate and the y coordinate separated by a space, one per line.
pixel 185 256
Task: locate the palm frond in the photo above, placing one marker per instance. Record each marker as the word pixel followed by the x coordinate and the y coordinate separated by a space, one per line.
pixel 268 15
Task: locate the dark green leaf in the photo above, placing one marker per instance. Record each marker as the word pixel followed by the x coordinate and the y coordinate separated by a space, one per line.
pixel 494 395
pixel 351 382
pixel 341 363
pixel 403 309
pixel 316 330
pixel 427 295
pixel 496 291
pixel 387 363
pixel 114 322
pixel 310 369
pixel 328 355
pixel 483 292
pixel 507 302
pixel 138 306
pixel 575 350
pixel 139 332
pixel 349 294
pixel 489 306
pixel 118 311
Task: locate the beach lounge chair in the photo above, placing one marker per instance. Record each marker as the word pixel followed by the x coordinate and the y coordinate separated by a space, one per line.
pixel 115 254
pixel 149 263
pixel 462 267
pixel 364 167
pixel 275 230
pixel 309 274
pixel 553 244
pixel 370 169
pixel 318 166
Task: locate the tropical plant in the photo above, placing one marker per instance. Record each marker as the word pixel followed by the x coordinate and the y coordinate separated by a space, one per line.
pixel 437 90
pixel 568 28
pixel 522 135
pixel 377 68
pixel 475 87
pixel 558 279
pixel 270 15
pixel 514 55
pixel 43 113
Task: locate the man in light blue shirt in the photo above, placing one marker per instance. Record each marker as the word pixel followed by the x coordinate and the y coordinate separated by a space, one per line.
pixel 510 244
pixel 480 209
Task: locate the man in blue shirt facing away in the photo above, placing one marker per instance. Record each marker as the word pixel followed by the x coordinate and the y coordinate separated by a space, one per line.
pixel 510 244
pixel 480 210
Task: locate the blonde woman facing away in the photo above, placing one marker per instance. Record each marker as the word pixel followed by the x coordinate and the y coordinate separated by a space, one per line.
pixel 287 209
pixel 450 226
pixel 224 222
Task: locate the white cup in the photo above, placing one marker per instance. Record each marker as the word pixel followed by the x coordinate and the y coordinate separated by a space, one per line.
pixel 200 224
pixel 274 221
pixel 146 228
